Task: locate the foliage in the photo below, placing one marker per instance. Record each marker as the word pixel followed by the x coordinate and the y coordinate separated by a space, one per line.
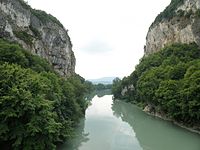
pixel 13 53
pixel 44 17
pixel 24 4
pixel 38 108
pixel 197 13
pixel 169 11
pixel 168 80
pixel 24 36
pixel 101 86
pixel 35 32
pixel 116 87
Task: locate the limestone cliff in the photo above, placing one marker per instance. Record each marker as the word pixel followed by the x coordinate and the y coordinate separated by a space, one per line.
pixel 178 23
pixel 38 32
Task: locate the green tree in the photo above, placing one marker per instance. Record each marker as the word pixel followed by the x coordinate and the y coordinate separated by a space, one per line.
pixel 168 81
pixel 38 108
pixel 27 120
pixel 116 87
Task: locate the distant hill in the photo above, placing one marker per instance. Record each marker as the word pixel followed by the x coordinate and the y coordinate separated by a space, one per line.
pixel 103 80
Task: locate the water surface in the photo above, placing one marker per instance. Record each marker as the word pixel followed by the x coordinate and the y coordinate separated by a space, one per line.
pixel 115 125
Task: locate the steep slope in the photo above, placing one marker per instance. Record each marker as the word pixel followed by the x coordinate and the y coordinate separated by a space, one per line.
pixel 38 32
pixel 166 81
pixel 38 108
pixel 178 23
pixel 166 84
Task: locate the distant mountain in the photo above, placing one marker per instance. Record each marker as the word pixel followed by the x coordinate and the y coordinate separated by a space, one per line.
pixel 103 80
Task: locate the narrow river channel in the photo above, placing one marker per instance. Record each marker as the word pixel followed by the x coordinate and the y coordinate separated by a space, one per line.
pixel 116 125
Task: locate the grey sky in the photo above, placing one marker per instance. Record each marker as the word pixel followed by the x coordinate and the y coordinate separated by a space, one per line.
pixel 108 36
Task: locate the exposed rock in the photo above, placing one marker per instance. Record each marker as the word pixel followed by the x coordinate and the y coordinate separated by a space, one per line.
pixel 126 89
pixel 182 27
pixel 38 32
pixel 147 109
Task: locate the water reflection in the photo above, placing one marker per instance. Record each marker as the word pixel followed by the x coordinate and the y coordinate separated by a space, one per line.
pixel 154 133
pixel 99 93
pixel 82 136
pixel 105 131
pixel 79 138
pixel 116 125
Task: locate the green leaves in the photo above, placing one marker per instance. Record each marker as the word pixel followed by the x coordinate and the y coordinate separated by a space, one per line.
pixel 169 80
pixel 38 108
pixel 117 87
pixel 13 53
pixel 169 12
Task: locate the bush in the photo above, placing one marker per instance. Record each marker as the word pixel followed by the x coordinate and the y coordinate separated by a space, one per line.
pixel 35 32
pixel 168 80
pixel 38 108
pixel 169 11
pixel 45 18
pixel 24 36
pixel 14 53
pixel 198 13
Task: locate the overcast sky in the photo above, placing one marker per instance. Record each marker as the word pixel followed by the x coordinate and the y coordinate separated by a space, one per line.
pixel 108 36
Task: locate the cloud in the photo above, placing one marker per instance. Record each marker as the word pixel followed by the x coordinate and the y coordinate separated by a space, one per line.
pixel 96 47
pixel 108 36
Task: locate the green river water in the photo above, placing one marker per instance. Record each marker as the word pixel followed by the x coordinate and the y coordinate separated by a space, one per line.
pixel 116 125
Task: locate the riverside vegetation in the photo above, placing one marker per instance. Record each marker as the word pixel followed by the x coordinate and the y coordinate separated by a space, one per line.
pixel 39 108
pixel 168 81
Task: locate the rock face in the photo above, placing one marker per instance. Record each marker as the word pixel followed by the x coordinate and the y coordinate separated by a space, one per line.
pixel 178 23
pixel 126 89
pixel 38 32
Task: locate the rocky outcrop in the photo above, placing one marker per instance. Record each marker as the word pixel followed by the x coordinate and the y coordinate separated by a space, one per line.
pixel 126 89
pixel 178 23
pixel 38 32
pixel 151 110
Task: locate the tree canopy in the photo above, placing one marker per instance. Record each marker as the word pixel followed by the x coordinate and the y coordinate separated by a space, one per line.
pixel 168 80
pixel 38 108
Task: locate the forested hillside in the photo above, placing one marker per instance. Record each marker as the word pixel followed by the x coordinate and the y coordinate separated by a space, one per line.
pixel 38 108
pixel 168 82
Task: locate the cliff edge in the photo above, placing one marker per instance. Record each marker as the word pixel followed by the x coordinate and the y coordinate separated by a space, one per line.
pixel 38 32
pixel 178 23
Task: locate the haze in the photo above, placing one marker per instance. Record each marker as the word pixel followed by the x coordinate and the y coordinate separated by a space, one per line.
pixel 108 36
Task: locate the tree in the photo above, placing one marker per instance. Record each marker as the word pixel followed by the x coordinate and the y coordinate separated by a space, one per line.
pixel 38 108
pixel 169 81
pixel 26 115
pixel 116 87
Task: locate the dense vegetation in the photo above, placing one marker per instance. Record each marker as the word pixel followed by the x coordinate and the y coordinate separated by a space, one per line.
pixel 24 36
pixel 45 18
pixel 38 108
pixel 172 12
pixel 101 86
pixel 42 15
pixel 168 81
pixel 169 11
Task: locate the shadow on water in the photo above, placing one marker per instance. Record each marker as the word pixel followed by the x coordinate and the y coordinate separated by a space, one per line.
pixel 76 142
pixel 80 136
pixel 154 133
pixel 116 125
pixel 99 93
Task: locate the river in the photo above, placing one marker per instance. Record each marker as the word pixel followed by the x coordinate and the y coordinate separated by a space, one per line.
pixel 116 125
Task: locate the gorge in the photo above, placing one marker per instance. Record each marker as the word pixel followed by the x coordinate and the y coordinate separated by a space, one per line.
pixel 166 81
pixel 41 97
pixel 45 104
pixel 38 32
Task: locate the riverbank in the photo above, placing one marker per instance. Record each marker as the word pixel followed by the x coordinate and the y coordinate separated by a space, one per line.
pixel 148 109
pixel 127 127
